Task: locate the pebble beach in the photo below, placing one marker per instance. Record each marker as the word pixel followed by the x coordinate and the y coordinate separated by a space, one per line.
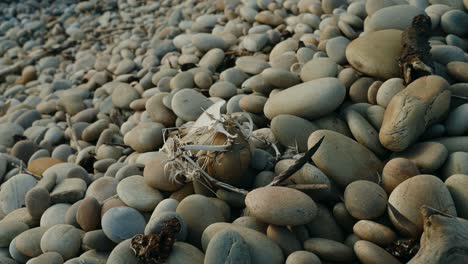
pixel 233 132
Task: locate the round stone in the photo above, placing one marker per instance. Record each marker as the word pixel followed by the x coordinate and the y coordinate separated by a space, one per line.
pixel 28 243
pixel 319 68
pixel 408 197
pixel 365 200
pixel 9 230
pixel 102 188
pixel 189 104
pixel 309 100
pixel 281 206
pixel 455 22
pixel 134 192
pixel 144 137
pixel 37 201
pixel 393 17
pixel 374 232
pixel 457 184
pixel 427 156
pixel 63 239
pixel 303 257
pixel 88 215
pixel 123 94
pixel 292 131
pixel 123 254
pixel 227 246
pixel 47 258
pixel 156 224
pixel 329 250
pixel 12 194
pixel 38 166
pixel 54 215
pixel 336 49
pixel 396 171
pixel 121 223
pixel 365 53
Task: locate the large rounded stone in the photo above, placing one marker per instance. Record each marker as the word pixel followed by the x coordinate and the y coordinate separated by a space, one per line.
pixel 146 136
pixel 329 250
pixel 393 17
pixel 37 201
pixel 54 215
pixel 292 131
pixel 157 176
pixel 121 223
pixel 102 188
pixel 407 198
pixel 365 200
pixel 227 246
pixel 457 185
pixel 134 192
pixel 63 239
pixel 424 102
pixel 9 230
pixel 356 161
pixel 185 253
pixel 376 53
pixel 123 254
pixel 319 68
pixel 309 100
pixel 158 112
pixel 88 215
pixel 368 252
pixel 14 190
pixel 189 104
pixel 191 208
pixel 28 243
pixel 428 156
pixel 262 249
pixel 123 94
pixel 281 206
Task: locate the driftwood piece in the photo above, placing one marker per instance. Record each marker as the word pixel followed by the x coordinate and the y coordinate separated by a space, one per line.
pixel 415 60
pixel 18 66
pixel 297 165
pixel 445 239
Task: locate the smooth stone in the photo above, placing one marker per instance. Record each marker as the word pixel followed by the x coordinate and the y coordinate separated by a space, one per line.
pixel 457 184
pixel 97 240
pixel 368 253
pixel 455 22
pixel 227 246
pixel 319 68
pixel 181 80
pixel 281 206
pixel 166 205
pixel 21 215
pixel 254 42
pixel 206 42
pixel 145 137
pixel 123 254
pixel 134 192
pixel 13 252
pixel 365 53
pixel 125 66
pixel 282 79
pixel 24 149
pixel 287 240
pixel 68 191
pixel 396 171
pixel 7 133
pixel 252 223
pixel 157 224
pixel 456 122
pixel 14 190
pixel 359 90
pixel 251 65
pixel 9 230
pixel 444 54
pixel 408 197
pixel 37 200
pixel 303 257
pixel 223 89
pixel 54 215
pixel 38 166
pixel 185 253
pixel 253 103
pixel 364 132
pixel 457 163
pixel 424 102
pixel 28 243
pixel 329 250
pixel 427 156
pixel 324 225
pixel 92 132
pixel 388 89
pixel 458 70
pixel 393 17
pixel 189 104
pixel 47 258
pixel 88 215
pixel 63 239
pixel 123 94
pixel 121 223
pixel 309 100
pixel 292 131
pixel 262 249
pixel 190 208
pixel 156 176
pixel 356 161
pixel 365 200
pixel 158 112
pixel 102 188
pixel 374 232
pixel 343 218
pixel 336 49
pixel 454 144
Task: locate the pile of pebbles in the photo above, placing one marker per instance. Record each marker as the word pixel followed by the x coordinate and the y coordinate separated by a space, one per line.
pixel 78 189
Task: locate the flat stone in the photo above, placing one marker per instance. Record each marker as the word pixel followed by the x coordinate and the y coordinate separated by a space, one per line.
pixel 134 192
pixel 270 205
pixel 365 53
pixel 309 100
pixel 68 191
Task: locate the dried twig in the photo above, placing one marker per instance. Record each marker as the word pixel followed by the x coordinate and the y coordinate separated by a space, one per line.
pixel 297 165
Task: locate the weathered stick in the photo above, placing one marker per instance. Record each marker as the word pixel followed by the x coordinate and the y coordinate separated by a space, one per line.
pixel 297 165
